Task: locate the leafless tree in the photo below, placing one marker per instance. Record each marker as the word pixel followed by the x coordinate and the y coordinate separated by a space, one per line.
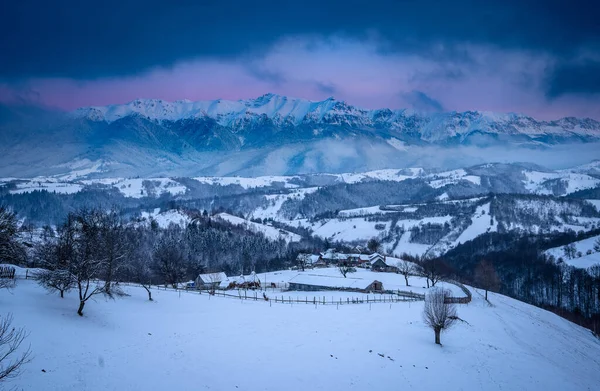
pixel 11 339
pixel 570 251
pixel 303 260
pixel 344 267
pixel 597 245
pixel 433 270
pixel 215 279
pixel 374 245
pixel 140 259
pixel 170 257
pixel 55 280
pixel 7 283
pixel 406 268
pixel 438 314
pixel 113 249
pixel 55 277
pixel 486 277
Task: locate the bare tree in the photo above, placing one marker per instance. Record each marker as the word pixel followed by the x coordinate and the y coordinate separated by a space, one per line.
pixel 141 259
pixel 597 245
pixel 344 267
pixel 374 245
pixel 302 259
pixel 570 251
pixel 486 277
pixel 438 314
pixel 433 270
pixel 56 276
pixel 170 256
pixel 215 280
pixel 113 249
pixel 11 338
pixel 406 268
pixel 55 281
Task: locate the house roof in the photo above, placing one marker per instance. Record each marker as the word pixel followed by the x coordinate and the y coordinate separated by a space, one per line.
pixel 331 281
pixel 375 255
pixel 212 277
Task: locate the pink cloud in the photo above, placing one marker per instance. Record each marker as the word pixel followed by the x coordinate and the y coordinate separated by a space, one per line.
pixel 493 80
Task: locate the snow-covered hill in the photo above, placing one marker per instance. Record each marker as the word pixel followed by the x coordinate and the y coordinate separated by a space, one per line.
pixel 489 178
pixel 261 346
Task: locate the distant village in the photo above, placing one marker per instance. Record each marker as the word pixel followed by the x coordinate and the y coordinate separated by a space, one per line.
pixel 329 270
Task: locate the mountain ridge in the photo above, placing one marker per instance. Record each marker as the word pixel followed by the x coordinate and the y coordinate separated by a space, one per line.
pixel 277 135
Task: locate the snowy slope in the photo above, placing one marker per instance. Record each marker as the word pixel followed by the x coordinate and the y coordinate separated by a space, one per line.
pixel 191 341
pixel 480 225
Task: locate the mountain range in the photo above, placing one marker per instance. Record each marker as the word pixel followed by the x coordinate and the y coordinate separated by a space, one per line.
pixel 276 135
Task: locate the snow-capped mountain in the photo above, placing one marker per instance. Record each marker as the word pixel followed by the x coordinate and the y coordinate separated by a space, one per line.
pixel 277 135
pixel 293 112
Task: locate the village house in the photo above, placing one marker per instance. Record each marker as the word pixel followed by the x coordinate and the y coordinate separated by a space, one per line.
pixel 210 280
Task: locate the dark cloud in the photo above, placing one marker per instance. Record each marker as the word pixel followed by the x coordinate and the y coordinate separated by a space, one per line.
pixel 574 78
pixel 81 39
pixel 420 101
pixel 263 74
pixel 326 88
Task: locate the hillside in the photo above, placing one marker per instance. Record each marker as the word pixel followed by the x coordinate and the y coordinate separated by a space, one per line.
pixel 191 341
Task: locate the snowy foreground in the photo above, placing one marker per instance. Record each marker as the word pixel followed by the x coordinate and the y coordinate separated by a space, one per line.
pixel 190 341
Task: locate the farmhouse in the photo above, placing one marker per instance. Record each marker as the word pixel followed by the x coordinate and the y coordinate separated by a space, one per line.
pixel 210 280
pixel 314 282
pixel 334 257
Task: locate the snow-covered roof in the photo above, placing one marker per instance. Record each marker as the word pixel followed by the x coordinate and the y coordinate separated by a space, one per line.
pixel 242 279
pixel 362 257
pixel 314 258
pixel 375 256
pixel 334 256
pixel 331 281
pixel 209 278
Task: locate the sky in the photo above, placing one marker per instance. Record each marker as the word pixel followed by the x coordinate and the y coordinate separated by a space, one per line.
pixel 540 58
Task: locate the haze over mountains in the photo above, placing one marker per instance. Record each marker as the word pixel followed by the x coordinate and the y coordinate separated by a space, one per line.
pixel 276 135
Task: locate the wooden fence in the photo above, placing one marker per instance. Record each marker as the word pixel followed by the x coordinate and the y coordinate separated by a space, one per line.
pixel 7 272
pixel 459 300
pixel 318 300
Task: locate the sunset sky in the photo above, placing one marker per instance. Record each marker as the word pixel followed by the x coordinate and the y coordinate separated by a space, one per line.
pixel 540 58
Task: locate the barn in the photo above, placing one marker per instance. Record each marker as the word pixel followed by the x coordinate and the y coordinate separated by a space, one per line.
pixel 315 282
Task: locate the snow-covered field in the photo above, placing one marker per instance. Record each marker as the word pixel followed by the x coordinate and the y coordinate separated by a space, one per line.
pixel 582 246
pixel 270 232
pixel 390 281
pixel 190 341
